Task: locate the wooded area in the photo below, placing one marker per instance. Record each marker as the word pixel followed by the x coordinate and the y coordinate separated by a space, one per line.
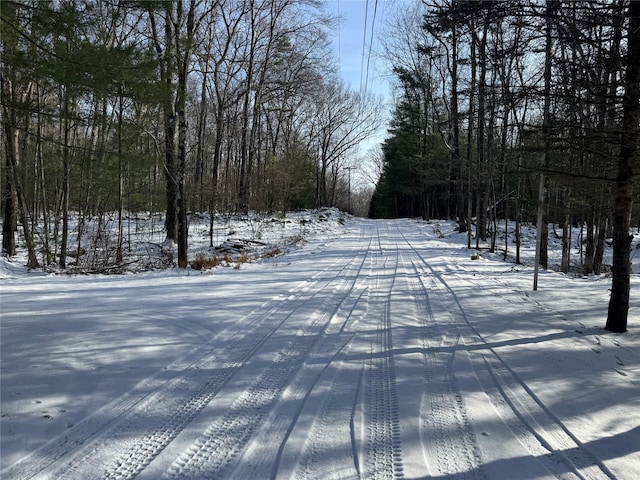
pixel 518 110
pixel 176 106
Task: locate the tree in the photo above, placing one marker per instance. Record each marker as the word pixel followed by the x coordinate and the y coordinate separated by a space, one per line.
pixel 627 166
pixel 10 114
pixel 15 190
pixel 97 97
pixel 174 51
pixel 17 76
pixel 416 166
pixel 342 119
pixel 446 29
pixel 533 85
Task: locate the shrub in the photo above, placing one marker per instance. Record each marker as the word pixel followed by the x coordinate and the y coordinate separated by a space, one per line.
pixel 201 262
pixel 272 253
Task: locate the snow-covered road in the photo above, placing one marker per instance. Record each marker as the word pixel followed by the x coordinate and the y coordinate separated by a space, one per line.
pixel 385 352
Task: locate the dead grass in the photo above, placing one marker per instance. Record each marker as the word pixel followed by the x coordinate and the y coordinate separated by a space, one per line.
pixel 244 258
pixel 202 262
pixel 205 262
pixel 272 253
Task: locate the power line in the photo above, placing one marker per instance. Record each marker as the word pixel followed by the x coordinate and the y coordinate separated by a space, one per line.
pixel 373 23
pixel 364 43
pixel 365 71
pixel 339 37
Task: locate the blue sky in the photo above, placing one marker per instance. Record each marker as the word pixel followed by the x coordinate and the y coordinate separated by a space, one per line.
pixel 354 37
pixel 355 47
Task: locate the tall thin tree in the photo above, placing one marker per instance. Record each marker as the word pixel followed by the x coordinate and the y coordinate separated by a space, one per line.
pixel 627 166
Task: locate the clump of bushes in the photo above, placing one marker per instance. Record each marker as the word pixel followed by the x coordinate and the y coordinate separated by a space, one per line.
pixel 206 262
pixel 272 253
pixel 202 262
pixel 240 259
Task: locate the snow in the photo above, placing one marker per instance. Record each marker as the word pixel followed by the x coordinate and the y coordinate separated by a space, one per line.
pixel 366 349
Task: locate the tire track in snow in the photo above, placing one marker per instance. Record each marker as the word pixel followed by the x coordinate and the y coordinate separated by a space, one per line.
pixel 535 426
pixel 543 434
pixel 164 415
pixel 259 420
pixel 351 434
pixel 383 450
pixel 382 455
pixel 321 443
pixel 591 336
pixel 272 438
pixel 547 429
pixel 332 430
pixel 223 441
pixel 133 429
pixel 562 454
pixel 448 441
pixel 274 435
pixel 102 419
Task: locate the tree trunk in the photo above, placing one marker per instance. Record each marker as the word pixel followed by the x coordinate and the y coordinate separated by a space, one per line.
pixel 10 223
pixel 12 161
pixel 566 236
pixel 623 197
pixel 598 255
pixel 120 183
pixel 472 88
pixel 181 98
pixel 590 246
pixel 455 125
pixel 481 199
pixel 542 223
pixel 166 51
pixel 245 154
pixel 66 167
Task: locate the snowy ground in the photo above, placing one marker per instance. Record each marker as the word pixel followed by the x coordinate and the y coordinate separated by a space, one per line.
pixel 374 349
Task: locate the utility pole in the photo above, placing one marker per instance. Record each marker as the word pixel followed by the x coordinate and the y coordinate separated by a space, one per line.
pixel 349 192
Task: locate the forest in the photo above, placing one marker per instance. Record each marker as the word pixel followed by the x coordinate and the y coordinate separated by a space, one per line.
pixel 521 110
pixel 116 106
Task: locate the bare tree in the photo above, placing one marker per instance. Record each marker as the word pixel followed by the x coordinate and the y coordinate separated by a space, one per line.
pixel 174 51
pixel 342 119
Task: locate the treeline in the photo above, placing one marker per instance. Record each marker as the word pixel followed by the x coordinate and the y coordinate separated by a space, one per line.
pixel 175 106
pixel 514 109
pixel 468 136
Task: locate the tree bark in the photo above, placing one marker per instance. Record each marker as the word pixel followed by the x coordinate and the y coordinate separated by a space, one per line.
pixel 11 149
pixel 458 201
pixel 481 201
pixel 66 167
pixel 166 51
pixel 181 96
pixel 623 196
pixel 10 219
pixel 566 235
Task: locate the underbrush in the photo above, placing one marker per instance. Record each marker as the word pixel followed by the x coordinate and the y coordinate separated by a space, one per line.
pixel 203 261
pixel 96 245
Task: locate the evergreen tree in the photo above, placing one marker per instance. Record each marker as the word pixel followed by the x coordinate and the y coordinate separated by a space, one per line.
pixel 415 165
